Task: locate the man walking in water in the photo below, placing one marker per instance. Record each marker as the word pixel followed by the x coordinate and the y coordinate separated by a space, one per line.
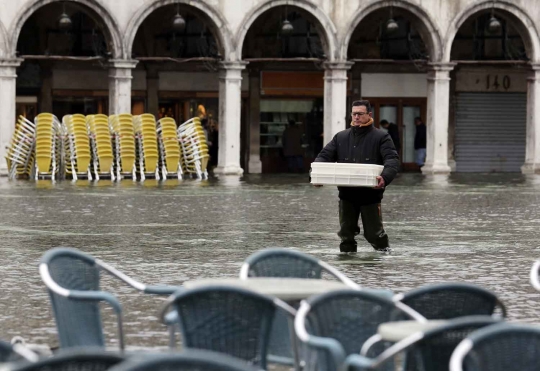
pixel 363 144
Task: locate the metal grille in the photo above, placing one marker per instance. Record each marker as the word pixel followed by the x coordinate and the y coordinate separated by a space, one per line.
pixel 490 132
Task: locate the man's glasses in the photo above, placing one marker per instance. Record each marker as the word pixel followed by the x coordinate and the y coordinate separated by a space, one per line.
pixel 359 113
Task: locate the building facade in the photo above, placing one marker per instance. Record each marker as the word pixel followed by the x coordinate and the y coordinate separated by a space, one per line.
pixel 470 69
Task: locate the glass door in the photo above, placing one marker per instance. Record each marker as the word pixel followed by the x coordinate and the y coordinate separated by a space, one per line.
pixel 388 112
pixel 408 131
pixel 402 112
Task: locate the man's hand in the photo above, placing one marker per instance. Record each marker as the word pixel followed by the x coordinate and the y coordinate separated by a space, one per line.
pixel 380 183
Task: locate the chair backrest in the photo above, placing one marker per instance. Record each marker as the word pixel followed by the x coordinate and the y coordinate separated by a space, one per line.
pixel 433 351
pixel 74 359
pixel 227 320
pixel 288 264
pixel 451 300
pixel 191 360
pixel 282 263
pixel 350 317
pixel 499 347
pixel 78 321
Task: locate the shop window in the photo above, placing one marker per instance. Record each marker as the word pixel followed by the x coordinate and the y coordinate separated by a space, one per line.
pixel 275 115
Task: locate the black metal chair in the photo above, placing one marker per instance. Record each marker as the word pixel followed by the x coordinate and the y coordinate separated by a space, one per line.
pixel 340 323
pixel 500 347
pixel 452 300
pixel 424 351
pixel 73 281
pixel 191 360
pixel 225 319
pixel 284 263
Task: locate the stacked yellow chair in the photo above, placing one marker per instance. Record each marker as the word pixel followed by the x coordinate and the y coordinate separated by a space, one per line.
pixel 147 146
pixel 169 147
pixel 101 144
pixel 124 144
pixel 77 146
pixel 194 147
pixel 20 152
pixel 48 145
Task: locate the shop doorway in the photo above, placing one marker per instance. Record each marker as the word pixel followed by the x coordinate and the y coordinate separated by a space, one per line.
pixel 275 116
pixel 402 112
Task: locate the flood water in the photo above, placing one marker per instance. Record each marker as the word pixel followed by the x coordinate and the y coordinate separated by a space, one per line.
pixel 483 229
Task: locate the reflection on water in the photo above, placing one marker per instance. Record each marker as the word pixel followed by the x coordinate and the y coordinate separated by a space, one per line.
pixel 475 228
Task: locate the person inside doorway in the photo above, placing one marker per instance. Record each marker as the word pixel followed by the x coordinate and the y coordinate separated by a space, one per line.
pixel 213 139
pixel 393 130
pixel 362 143
pixel 420 142
pixel 292 147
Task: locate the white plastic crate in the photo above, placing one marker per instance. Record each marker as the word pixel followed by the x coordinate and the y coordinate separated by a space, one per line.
pixel 345 175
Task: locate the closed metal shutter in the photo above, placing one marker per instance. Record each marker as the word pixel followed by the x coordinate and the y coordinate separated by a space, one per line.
pixel 490 132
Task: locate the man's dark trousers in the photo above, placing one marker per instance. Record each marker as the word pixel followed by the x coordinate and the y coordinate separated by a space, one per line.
pixel 349 214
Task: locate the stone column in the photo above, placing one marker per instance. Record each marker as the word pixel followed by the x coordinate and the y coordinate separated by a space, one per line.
pixel 335 98
pixel 532 148
pixel 8 81
pixel 230 101
pixel 254 164
pixel 120 86
pixel 438 104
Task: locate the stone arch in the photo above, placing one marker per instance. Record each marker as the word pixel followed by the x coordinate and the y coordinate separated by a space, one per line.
pixel 328 31
pixel 4 50
pixel 524 25
pixel 430 32
pixel 219 26
pixel 112 29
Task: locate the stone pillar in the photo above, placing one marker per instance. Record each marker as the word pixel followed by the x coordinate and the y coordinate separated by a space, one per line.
pixel 8 80
pixel 152 91
pixel 335 98
pixel 254 164
pixel 532 148
pixel 230 101
pixel 120 86
pixel 438 104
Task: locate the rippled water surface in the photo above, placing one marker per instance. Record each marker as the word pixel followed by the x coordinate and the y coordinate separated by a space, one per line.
pixel 483 229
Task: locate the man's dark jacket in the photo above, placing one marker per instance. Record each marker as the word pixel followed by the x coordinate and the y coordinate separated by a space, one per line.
pixel 363 145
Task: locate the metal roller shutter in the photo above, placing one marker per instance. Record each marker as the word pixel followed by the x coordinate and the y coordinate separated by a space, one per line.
pixel 490 132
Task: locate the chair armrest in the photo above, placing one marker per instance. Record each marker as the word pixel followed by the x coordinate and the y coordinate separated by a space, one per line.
pixel 369 343
pixel 332 346
pixel 97 296
pixel 357 363
pixel 170 318
pixel 161 290
pixel 156 289
pixel 111 300
pixel 503 308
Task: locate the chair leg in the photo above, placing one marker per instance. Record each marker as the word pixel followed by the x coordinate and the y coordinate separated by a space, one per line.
pixel 294 343
pixel 172 337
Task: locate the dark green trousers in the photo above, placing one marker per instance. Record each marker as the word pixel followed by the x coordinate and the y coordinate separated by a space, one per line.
pixel 349 214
